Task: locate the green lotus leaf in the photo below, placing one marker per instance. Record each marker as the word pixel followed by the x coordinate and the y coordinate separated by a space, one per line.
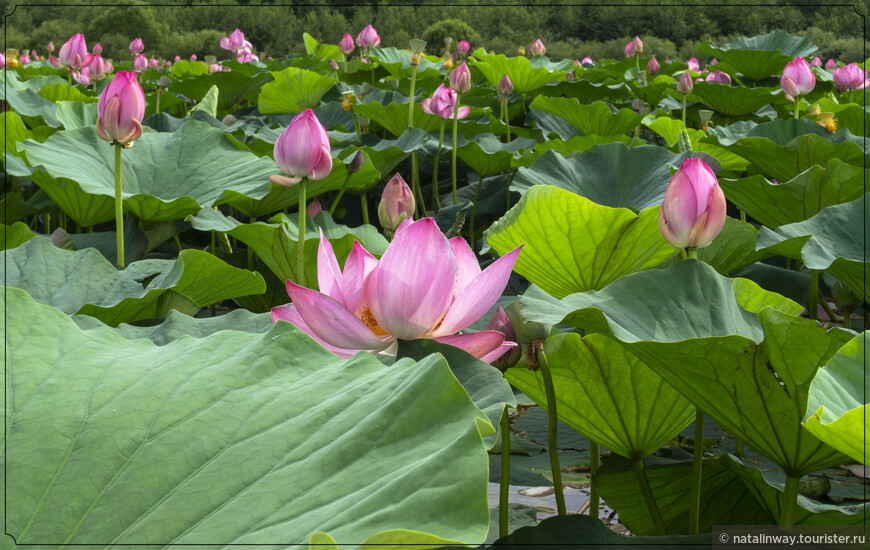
pixel 275 243
pixel 209 102
pixel 797 200
pixel 233 86
pixel 735 350
pixel 610 175
pixel 760 56
pixel 178 325
pixel 293 90
pixel 730 100
pixel 486 155
pixel 16 234
pixel 587 92
pixel 398 63
pixel 780 131
pixel 14 132
pixel 166 176
pixel 597 118
pixel 607 394
pixel 570 244
pixel 394 117
pixel 386 153
pixel 13 207
pixel 186 443
pixel 571 147
pixel 84 282
pixel 75 114
pixel 835 240
pixel 732 250
pixel 85 209
pixel 837 406
pixel 61 92
pixel 526 75
pixel 321 51
pixel 184 67
pixel 731 492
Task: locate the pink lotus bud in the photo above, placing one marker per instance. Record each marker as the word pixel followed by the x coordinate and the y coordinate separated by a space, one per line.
pixel 234 42
pixel 586 60
pixel 501 323
pixel 637 45
pixel 247 57
pixel 368 37
pixel 24 59
pixel 714 61
pixel 850 77
pixel 302 150
pixel 177 58
pixel 333 64
pixel 140 63
pixel 463 48
pixel 797 78
pixel 653 67
pixel 136 46
pixel 397 203
pixel 50 46
pixel 346 44
pixel 356 163
pixel 537 48
pixel 83 77
pixel 460 78
pixel 168 64
pixel 98 69
pixel 74 54
pixel 120 109
pixel 313 208
pixel 637 105
pixel 629 49
pixel 98 49
pixel 816 62
pixel 685 84
pixel 505 86
pixel 2 60
pixel 719 77
pixel 667 60
pixel 693 211
pixel 33 54
pixel 693 64
pixel 153 62
pixel 215 68
pixel 831 64
pixel 193 57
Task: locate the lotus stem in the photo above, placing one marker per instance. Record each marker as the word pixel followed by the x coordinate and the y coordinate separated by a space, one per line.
pixel 415 176
pixel 365 208
pixel 789 500
pixel 594 463
pixel 738 447
pixel 742 216
pixel 507 126
pixel 813 307
pixel 250 258
pixel 552 446
pixel 851 93
pixel 69 86
pixel 119 207
pixel 651 505
pixel 847 317
pixel 684 110
pixel 797 105
pixel 212 243
pixel 340 193
pixel 157 106
pixel 177 243
pixel 697 462
pixel 356 127
pixel 503 494
pixel 691 252
pixel 435 199
pixel 300 242
pixel 453 151
pixel 48 223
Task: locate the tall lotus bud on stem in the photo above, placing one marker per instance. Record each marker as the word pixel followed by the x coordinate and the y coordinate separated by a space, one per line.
pixel 816 62
pixel 49 47
pixel 136 46
pixel 685 84
pixel 652 66
pixel 693 64
pixel 463 47
pixel 505 86
pixel 397 204
pixel 98 69
pixel 345 45
pixel 98 49
pixel 831 64
pixel 537 49
pixel 501 323
pixel 73 55
pixel 693 211
pixel 629 49
pixel 460 78
pixel 333 64
pixel 637 45
pixel 140 64
pixel 368 38
pixel 797 79
pixel 356 163
pixel 302 151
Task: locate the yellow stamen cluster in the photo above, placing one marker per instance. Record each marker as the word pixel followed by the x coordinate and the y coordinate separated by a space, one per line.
pixel 347 101
pixel 828 121
pixel 370 321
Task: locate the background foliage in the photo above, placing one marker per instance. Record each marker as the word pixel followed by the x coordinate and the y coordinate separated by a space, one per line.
pixel 569 31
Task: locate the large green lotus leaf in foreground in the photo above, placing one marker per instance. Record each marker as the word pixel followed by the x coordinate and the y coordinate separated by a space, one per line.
pixel 607 394
pixel 738 352
pixel 398 63
pixel 760 56
pixel 166 176
pixel 570 244
pixel 486 155
pixel 596 118
pixel 731 494
pixel 799 199
pixel 293 90
pixel 235 438
pixel 610 175
pixel 394 117
pixel 526 75
pixel 835 240
pixel 837 404
pixel 84 282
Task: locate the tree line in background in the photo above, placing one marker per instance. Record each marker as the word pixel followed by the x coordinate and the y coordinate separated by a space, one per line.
pixel 568 31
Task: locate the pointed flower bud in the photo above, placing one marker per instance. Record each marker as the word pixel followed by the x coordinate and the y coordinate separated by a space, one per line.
pixel 302 150
pixel 397 203
pixel 637 45
pixel 50 47
pixel 463 48
pixel 356 163
pixel 629 49
pixel 346 44
pixel 537 48
pixel 693 211
pixel 831 64
pixel 501 323
pixel 460 78
pixel 505 86
pixel 685 84
pixel 136 46
pixel 850 77
pixel 333 64
pixel 797 78
pixel 719 77
pixel 73 54
pixel 368 37
pixel 140 64
pixel 816 62
pixel 98 49
pixel 652 66
pixel 693 64
pixel 121 109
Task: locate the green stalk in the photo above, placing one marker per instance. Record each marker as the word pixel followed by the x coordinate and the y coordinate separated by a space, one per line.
pixel 697 461
pixel 212 243
pixel 435 199
pixel 742 216
pixel 69 87
pixel 340 193
pixel 684 110
pixel 157 108
pixel 453 151
pixel 507 126
pixel 851 100
pixel 738 447
pixel 365 208
pixel 691 252
pixel 847 317
pixel 594 463
pixel 356 127
pixel 119 207
pixel 177 243
pixel 813 308
pixel 789 500
pixel 552 447
pixel 797 105
pixel 503 494
pixel 651 505
pixel 300 244
pixel 47 223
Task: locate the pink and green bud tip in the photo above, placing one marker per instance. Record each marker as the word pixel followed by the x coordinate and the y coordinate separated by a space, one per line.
pixel 302 151
pixel 460 78
pixel 397 203
pixel 121 109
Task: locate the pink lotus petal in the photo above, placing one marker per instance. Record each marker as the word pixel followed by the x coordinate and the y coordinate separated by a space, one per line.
pixel 467 267
pixel 479 295
pixel 284 181
pixel 331 321
pixel 499 351
pixel 289 313
pixel 463 112
pixel 412 286
pixel 324 165
pixel 478 344
pixel 357 268
pixel 328 272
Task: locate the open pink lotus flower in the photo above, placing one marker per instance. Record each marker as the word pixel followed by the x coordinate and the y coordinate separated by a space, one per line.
pixel 424 286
